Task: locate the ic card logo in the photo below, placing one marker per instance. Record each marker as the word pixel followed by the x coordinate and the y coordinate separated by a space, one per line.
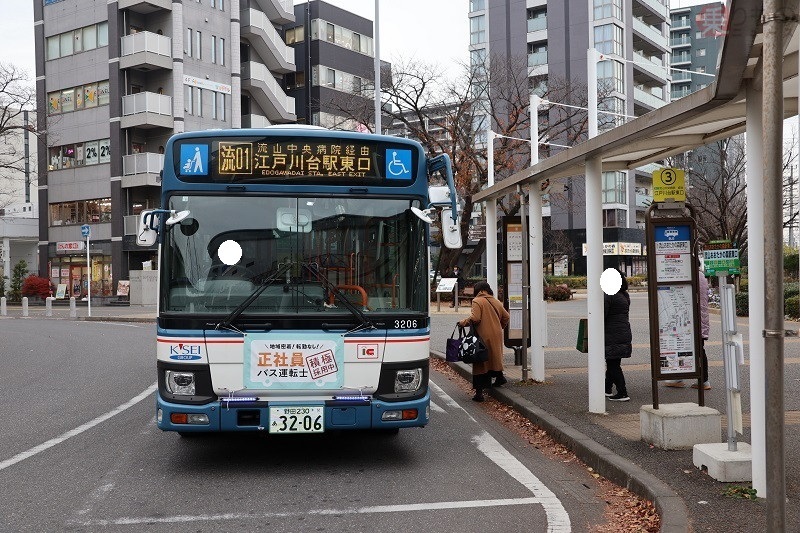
pixel 367 351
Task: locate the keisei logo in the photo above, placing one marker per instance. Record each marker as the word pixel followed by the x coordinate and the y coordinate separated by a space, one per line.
pixel 185 352
pixel 367 351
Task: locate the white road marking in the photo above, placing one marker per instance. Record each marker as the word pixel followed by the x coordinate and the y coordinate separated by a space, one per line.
pixel 113 323
pixel 557 517
pixel 78 430
pixel 436 407
pixel 132 521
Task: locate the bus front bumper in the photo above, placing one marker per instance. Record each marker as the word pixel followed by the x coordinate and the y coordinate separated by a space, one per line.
pixel 255 416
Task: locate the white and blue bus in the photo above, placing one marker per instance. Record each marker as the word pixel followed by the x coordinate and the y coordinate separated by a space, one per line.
pixel 293 286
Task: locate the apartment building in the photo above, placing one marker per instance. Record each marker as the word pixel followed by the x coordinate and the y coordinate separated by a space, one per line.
pixel 335 65
pixel 114 80
pixel 695 40
pixel 633 36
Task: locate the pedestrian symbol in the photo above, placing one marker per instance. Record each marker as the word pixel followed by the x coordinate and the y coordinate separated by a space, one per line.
pixel 194 160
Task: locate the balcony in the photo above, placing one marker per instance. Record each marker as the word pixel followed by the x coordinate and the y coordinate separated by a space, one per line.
pixel 643 8
pixel 649 38
pixel 647 99
pixel 147 110
pixel 682 58
pixel 260 83
pixel 644 67
pixel 142 169
pixel 278 11
pixel 262 36
pixel 677 41
pixel 681 77
pixel 146 51
pixel 145 6
pixel 682 23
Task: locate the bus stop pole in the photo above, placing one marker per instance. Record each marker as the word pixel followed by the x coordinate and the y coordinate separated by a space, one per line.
pixel 538 310
pixel 526 283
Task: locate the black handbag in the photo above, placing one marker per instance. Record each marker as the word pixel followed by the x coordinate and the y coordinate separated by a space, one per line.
pixel 453 345
pixel 473 349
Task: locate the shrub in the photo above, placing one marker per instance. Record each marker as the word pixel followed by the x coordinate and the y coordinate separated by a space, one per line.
pixel 557 293
pixel 15 292
pixel 637 281
pixel 792 307
pixel 790 265
pixel 573 282
pixel 3 286
pixel 36 286
pixel 790 290
pixel 742 308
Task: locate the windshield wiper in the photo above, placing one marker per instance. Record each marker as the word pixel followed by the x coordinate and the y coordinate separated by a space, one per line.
pixel 338 295
pixel 253 296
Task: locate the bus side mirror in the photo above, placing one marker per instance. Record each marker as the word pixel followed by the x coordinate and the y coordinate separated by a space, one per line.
pixel 451 230
pixel 146 232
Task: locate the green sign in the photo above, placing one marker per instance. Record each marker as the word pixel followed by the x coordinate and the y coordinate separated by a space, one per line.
pixel 721 260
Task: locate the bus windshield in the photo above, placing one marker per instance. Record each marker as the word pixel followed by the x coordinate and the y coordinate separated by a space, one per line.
pixel 311 252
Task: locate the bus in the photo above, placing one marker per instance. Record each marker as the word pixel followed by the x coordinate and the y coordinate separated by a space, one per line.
pixel 293 279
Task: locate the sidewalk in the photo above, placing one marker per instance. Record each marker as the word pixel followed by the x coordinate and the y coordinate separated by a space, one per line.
pixel 686 498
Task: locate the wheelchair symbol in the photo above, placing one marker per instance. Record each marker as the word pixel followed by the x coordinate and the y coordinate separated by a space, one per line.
pixel 399 165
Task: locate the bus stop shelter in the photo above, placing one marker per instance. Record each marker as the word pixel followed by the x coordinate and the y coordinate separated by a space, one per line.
pixel 756 88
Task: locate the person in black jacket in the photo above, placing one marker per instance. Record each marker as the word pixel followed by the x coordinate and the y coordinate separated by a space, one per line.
pixel 618 340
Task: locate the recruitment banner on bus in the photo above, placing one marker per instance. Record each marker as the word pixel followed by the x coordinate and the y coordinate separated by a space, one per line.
pixel 293 360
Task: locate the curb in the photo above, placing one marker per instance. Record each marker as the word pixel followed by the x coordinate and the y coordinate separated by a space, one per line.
pixel 115 319
pixel 671 507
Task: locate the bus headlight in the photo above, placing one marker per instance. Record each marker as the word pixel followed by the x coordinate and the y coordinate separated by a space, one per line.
pixel 181 383
pixel 408 380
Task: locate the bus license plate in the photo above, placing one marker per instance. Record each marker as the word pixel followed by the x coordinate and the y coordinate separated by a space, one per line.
pixel 296 419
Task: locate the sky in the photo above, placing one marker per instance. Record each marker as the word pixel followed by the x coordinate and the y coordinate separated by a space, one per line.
pixel 435 31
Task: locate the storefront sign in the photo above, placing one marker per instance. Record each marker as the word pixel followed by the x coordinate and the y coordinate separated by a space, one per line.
pixel 70 247
pixel 207 84
pixel 630 248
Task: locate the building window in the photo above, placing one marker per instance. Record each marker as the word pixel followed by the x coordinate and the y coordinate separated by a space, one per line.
pixel 77 98
pixel 538 85
pixel 221 104
pixel 537 19
pixel 213 48
pixel 75 41
pixel 80 212
pixel 614 108
pixel 477 5
pixel 221 54
pixel 294 35
pixel 611 74
pixel 537 54
pixel 701 52
pixel 222 5
pixel 330 79
pixel 214 104
pixel 53 49
pixel 604 9
pixel 357 84
pixel 608 39
pixel 614 187
pixel 614 218
pixel 187 44
pixel 102 34
pixel 198 102
pixel 356 42
pixel 198 45
pixel 187 99
pixel 330 32
pixel 477 29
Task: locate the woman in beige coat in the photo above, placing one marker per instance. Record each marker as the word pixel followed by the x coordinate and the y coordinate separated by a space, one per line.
pixel 490 318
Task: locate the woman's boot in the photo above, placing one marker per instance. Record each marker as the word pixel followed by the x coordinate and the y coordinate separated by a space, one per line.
pixel 478 395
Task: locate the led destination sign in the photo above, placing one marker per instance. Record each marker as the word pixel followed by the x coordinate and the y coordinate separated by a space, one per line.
pixel 305 159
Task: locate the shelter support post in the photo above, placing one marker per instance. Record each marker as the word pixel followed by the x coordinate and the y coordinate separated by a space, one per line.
pixel 594 268
pixel 755 245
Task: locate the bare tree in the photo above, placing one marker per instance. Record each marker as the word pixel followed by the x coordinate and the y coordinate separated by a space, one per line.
pixel 453 116
pixel 717 188
pixel 17 95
